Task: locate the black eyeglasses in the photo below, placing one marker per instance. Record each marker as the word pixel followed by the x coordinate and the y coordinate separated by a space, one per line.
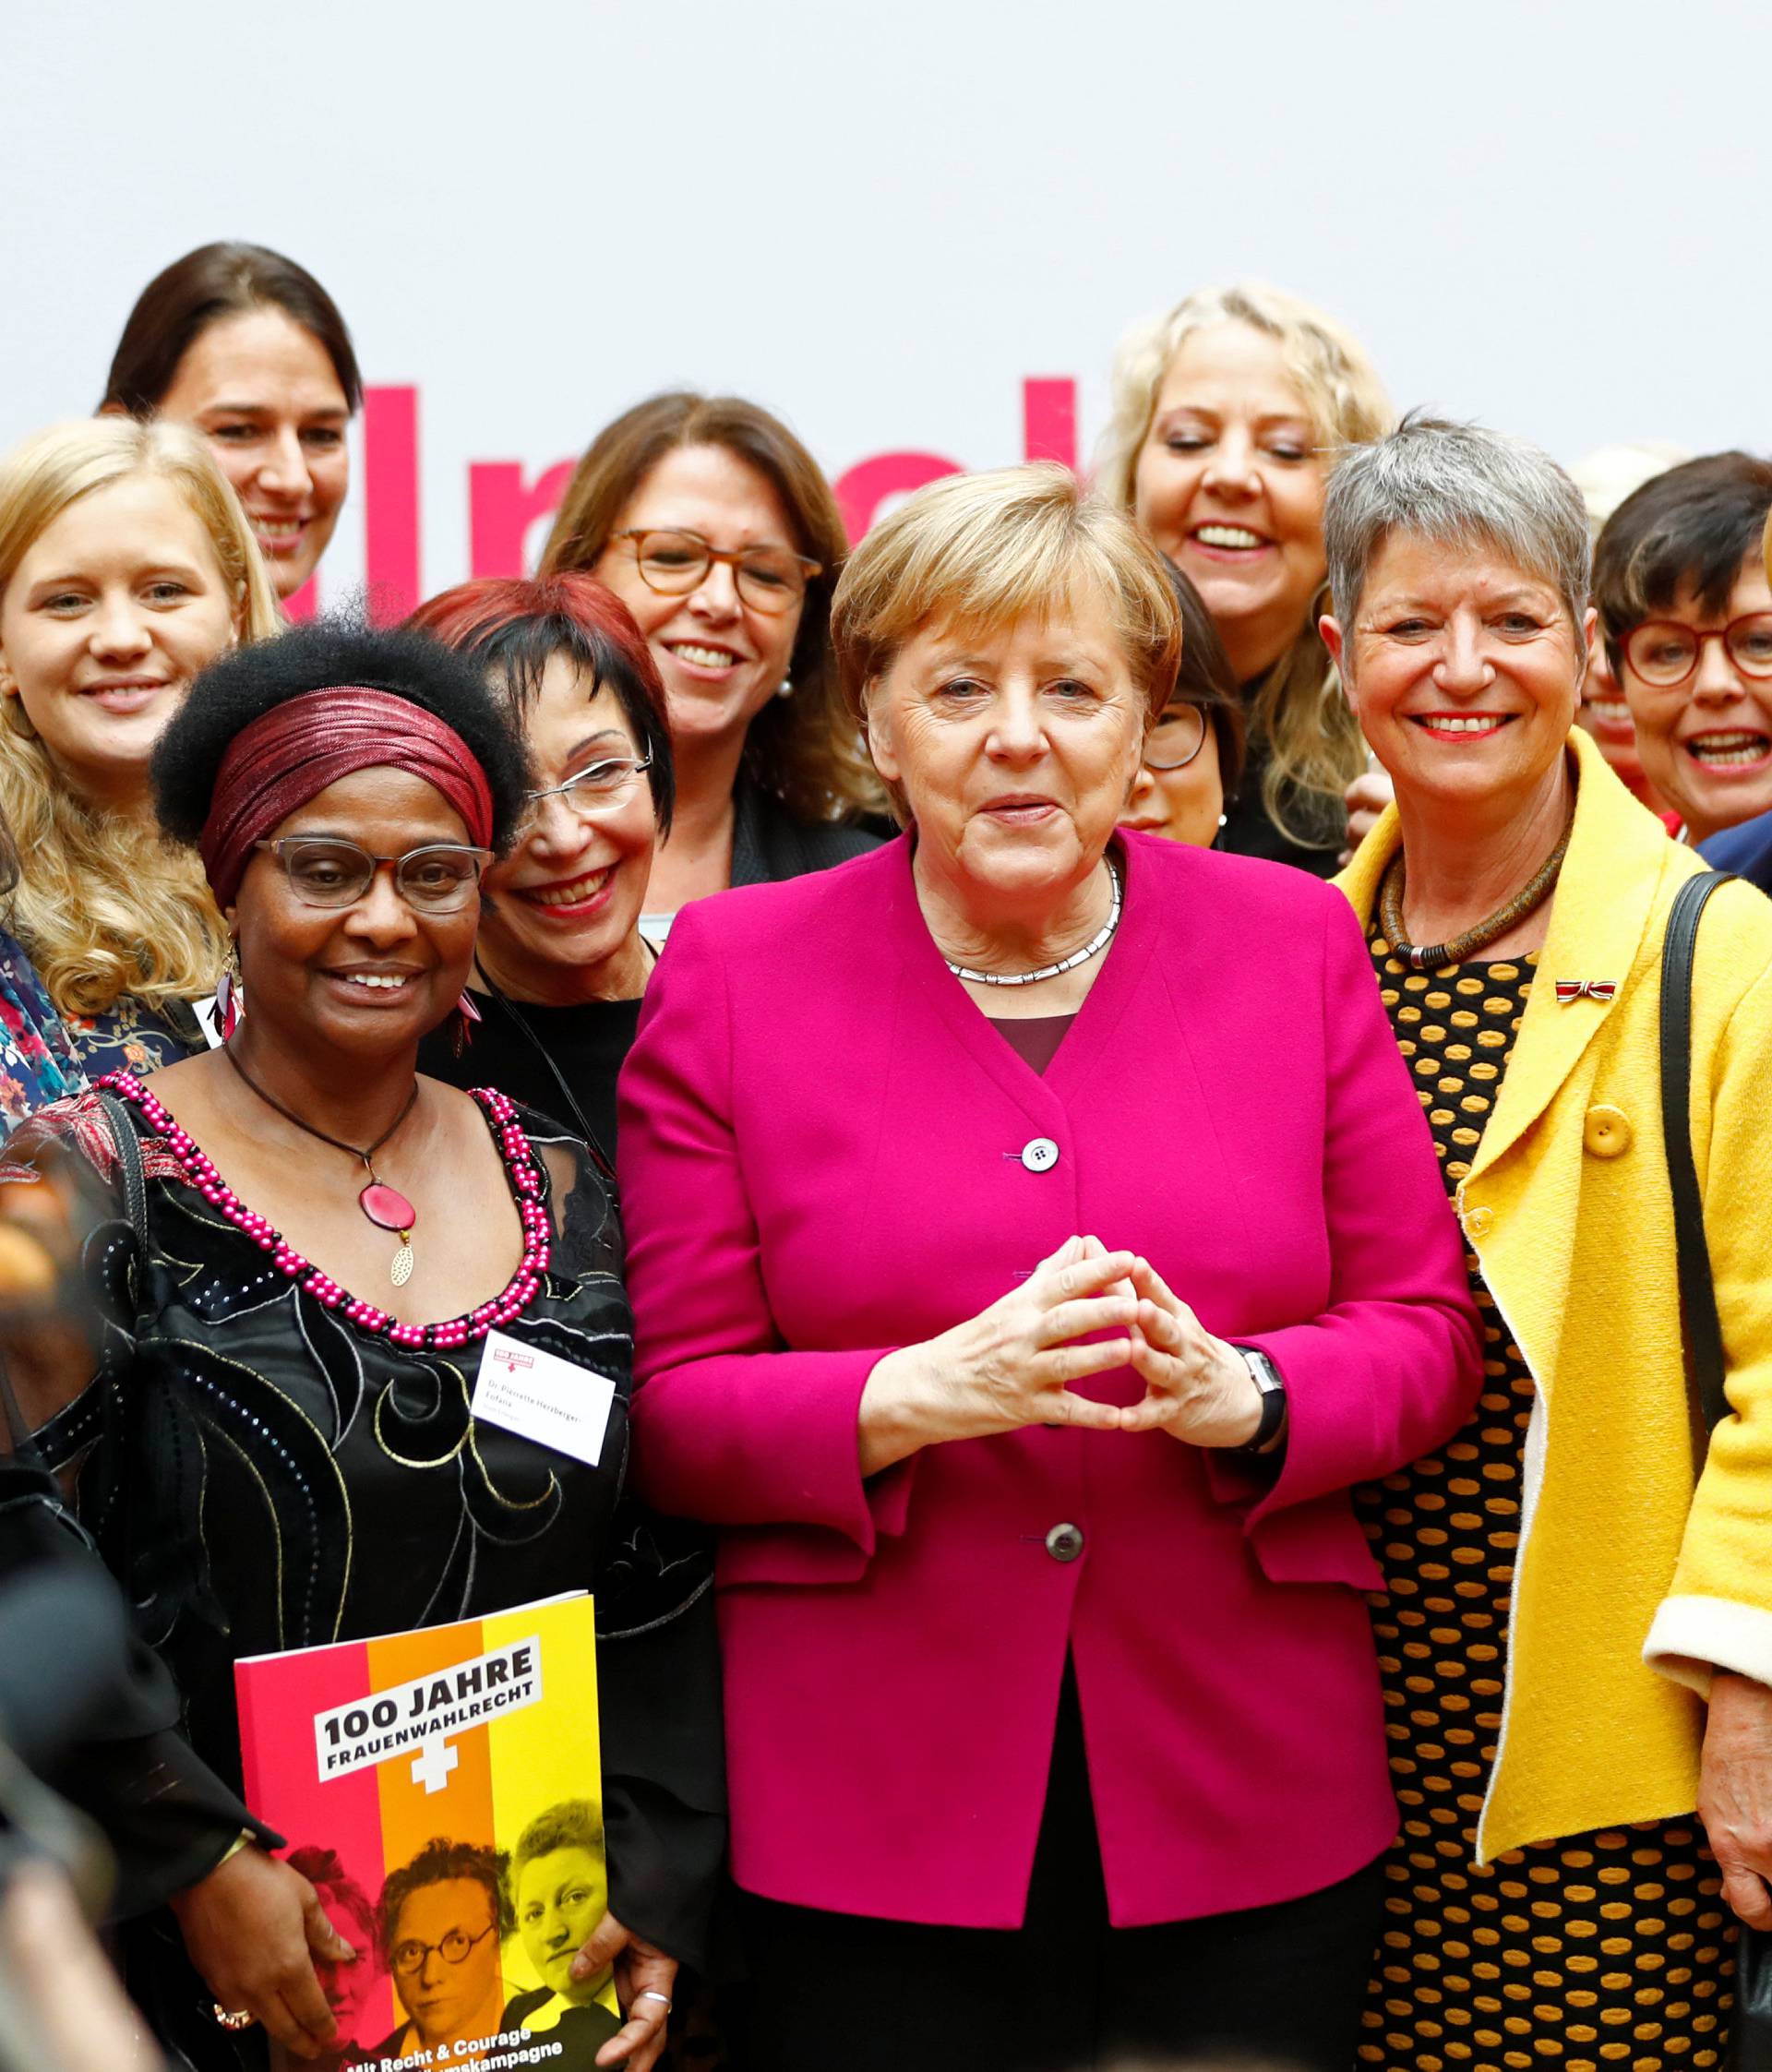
pixel 327 871
pixel 1176 738
pixel 411 1954
pixel 770 577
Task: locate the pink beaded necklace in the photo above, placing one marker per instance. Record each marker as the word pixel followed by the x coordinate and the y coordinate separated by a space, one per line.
pixel 199 1170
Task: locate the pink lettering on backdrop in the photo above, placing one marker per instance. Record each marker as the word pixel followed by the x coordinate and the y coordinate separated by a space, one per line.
pixel 390 501
pixel 501 509
pixel 505 504
pixel 861 490
pixel 1049 420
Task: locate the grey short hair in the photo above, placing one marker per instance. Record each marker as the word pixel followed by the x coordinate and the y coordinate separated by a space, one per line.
pixel 1463 485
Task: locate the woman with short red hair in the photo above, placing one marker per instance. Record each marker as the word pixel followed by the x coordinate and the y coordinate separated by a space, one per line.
pixel 561 964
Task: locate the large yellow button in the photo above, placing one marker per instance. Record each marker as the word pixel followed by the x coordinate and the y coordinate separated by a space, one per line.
pixel 1478 1223
pixel 1607 1133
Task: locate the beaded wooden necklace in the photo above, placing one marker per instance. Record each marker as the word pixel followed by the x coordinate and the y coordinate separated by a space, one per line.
pixel 1433 955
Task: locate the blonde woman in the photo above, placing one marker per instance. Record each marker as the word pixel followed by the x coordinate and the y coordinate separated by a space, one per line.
pixel 127 566
pixel 1228 414
pixel 951 1441
pixel 713 524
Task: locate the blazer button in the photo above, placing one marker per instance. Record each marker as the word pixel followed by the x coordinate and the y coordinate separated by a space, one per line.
pixel 1478 1223
pixel 1064 1544
pixel 1039 1154
pixel 1607 1133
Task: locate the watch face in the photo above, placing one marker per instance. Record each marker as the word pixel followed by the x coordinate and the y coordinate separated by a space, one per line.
pixel 1267 1376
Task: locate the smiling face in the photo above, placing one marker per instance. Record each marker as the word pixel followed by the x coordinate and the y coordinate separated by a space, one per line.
pixel 1184 804
pixel 1707 743
pixel 560 1898
pixel 1464 672
pixel 447 2001
pixel 262 391
pixel 721 660
pixel 1015 751
pixel 111 611
pixel 568 897
pixel 368 979
pixel 1229 484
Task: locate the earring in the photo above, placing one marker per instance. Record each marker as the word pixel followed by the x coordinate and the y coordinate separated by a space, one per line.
pixel 465 1016
pixel 229 999
pixel 785 687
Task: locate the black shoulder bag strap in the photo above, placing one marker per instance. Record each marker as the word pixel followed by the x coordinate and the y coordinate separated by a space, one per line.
pixel 135 1179
pixel 1703 1331
pixel 1751 2024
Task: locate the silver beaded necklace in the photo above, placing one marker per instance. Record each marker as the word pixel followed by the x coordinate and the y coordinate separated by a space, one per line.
pixel 1093 947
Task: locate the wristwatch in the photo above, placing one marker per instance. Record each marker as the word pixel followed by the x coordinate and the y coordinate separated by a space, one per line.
pixel 1268 1379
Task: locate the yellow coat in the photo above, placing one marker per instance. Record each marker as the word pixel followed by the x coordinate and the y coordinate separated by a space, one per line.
pixel 1622 1572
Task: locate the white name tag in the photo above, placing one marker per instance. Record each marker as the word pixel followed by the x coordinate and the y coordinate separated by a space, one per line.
pixel 541 1397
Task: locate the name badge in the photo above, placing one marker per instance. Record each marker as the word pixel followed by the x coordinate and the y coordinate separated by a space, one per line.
pixel 541 1397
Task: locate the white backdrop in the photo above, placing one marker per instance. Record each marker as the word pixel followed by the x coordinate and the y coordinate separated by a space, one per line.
pixel 882 220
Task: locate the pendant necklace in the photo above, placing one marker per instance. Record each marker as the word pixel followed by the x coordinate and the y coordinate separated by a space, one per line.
pixel 385 1207
pixel 1093 947
pixel 1433 956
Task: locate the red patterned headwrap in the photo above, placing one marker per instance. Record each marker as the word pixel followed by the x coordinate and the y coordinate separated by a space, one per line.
pixel 293 752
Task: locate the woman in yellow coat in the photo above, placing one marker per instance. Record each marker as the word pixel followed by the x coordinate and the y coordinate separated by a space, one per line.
pixel 1576 1644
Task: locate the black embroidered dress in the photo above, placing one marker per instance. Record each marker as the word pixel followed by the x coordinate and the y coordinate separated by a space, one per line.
pixel 268 1468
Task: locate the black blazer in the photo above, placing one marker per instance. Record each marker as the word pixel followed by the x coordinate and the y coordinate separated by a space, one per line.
pixel 768 843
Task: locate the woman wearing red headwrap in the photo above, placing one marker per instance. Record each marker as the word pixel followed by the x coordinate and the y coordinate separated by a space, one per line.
pixel 329 1238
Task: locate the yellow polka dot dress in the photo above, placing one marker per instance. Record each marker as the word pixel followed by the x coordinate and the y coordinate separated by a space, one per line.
pixel 1602 1950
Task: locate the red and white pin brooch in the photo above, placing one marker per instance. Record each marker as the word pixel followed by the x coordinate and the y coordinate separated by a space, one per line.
pixel 1569 991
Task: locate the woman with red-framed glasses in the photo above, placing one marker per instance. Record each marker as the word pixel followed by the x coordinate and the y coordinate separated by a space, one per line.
pixel 1687 611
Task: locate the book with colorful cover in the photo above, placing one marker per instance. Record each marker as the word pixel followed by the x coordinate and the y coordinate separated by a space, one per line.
pixel 441 1789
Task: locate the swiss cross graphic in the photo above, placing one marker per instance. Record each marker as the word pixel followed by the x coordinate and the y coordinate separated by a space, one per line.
pixel 432 1764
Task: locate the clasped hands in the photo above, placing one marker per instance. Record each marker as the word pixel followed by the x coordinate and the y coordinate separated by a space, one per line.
pixel 1014 1363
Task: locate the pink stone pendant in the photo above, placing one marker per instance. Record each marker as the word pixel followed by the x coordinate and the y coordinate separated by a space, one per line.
pixel 386 1207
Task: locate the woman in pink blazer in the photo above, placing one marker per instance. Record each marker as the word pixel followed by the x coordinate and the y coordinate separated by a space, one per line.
pixel 1032 1233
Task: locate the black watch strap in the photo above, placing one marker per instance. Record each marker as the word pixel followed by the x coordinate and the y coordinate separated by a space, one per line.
pixel 1268 1379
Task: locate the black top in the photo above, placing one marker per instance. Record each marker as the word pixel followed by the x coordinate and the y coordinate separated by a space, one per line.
pixel 587 1044
pixel 581 2032
pixel 1248 830
pixel 266 1473
pixel 768 843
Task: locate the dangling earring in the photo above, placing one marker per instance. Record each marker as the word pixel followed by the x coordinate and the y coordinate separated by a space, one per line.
pixel 464 1017
pixel 785 687
pixel 228 997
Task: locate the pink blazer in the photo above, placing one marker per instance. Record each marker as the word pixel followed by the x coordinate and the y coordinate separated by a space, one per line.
pixel 825 1154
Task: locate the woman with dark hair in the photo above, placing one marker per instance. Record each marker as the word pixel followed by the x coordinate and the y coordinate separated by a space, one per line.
pixel 249 347
pixel 713 524
pixel 561 964
pixel 1681 582
pixel 444 1918
pixel 1193 754
pixel 270 1458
